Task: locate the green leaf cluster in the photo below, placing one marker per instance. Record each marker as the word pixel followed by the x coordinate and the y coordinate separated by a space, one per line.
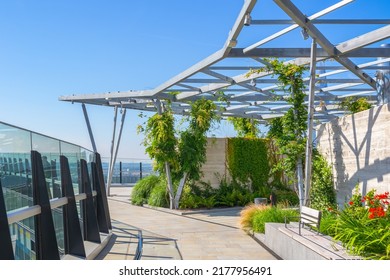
pixel 355 105
pixel 322 193
pixel 245 127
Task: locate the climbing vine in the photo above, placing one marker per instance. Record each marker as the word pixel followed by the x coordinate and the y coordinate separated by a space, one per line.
pixel 290 130
pixel 248 162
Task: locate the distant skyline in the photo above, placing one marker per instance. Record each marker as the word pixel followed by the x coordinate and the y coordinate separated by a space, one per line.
pixel 54 48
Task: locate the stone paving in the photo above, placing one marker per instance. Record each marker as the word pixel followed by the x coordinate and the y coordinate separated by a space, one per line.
pixel 209 235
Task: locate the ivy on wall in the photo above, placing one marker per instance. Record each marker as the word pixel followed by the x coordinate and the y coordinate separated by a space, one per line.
pixel 247 160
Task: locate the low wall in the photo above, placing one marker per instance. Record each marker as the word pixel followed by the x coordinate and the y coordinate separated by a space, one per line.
pixel 358 148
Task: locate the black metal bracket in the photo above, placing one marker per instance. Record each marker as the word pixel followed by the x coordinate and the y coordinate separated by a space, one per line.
pixel 45 235
pixel 91 226
pixel 74 244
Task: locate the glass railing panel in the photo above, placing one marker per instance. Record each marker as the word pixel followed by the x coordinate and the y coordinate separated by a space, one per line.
pixel 58 220
pixel 74 154
pixel 23 239
pixel 15 169
pixel 49 149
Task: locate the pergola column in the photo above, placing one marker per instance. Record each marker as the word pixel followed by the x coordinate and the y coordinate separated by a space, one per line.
pixel 310 115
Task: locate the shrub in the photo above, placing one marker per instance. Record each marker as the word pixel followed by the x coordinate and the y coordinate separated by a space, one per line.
pixel 143 188
pixel 253 217
pixel 159 196
pixel 247 214
pixel 272 215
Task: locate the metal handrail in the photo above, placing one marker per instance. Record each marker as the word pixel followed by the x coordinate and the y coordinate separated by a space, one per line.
pixel 20 214
pixel 138 252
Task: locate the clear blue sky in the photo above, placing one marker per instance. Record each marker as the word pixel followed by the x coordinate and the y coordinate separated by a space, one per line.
pixel 52 48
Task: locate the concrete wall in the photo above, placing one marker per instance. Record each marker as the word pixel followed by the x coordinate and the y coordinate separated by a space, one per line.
pixel 358 147
pixel 215 167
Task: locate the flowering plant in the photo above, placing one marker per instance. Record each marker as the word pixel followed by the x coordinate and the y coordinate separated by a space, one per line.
pixel 363 225
pixel 377 204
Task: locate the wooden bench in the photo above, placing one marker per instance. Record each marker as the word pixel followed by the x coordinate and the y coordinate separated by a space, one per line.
pixel 308 216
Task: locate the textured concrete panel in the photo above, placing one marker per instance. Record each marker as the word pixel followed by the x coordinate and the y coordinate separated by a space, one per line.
pixel 215 167
pixel 357 146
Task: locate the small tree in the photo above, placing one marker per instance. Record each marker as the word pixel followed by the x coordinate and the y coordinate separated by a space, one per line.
pixel 180 159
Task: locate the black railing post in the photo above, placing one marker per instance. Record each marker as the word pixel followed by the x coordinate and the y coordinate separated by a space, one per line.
pixel 140 170
pixel 100 211
pixel 120 172
pixel 46 247
pixel 6 252
pixel 91 227
pixel 73 238
pixel 99 169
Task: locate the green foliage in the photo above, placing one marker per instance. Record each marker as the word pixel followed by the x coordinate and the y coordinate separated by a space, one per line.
pixel 245 127
pixel 322 194
pixel 287 196
pixel 248 162
pixel 289 130
pixel 191 200
pixel 363 226
pixel 193 141
pixel 160 140
pixel 142 189
pixel 159 196
pixel 185 155
pixel 354 104
pixel 271 215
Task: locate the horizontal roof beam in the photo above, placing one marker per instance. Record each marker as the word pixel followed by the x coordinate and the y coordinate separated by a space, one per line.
pixel 320 21
pixel 305 52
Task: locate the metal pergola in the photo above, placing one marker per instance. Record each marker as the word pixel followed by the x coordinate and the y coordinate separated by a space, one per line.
pixel 355 65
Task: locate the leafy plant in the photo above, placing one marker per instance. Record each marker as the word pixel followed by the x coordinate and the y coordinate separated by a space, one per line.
pixel 363 226
pixel 322 194
pixel 246 168
pixel 247 214
pixel 142 189
pixel 271 215
pixel 290 130
pixel 159 196
pixel 182 158
pixel 355 105
pixel 245 127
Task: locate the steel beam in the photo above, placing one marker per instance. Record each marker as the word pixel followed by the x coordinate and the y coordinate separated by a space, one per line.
pixel 89 127
pixel 303 21
pixel 305 52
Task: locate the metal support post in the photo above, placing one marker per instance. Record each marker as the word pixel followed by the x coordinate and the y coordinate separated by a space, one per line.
pixel 116 150
pixel 89 127
pixel 111 165
pixel 309 141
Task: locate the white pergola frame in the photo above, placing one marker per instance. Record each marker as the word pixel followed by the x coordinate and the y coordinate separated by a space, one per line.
pixel 345 70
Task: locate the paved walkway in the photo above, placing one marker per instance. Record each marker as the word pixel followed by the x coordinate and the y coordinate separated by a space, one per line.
pixel 212 235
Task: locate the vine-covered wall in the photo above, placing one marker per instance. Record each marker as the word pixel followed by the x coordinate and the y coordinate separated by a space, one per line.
pixel 247 161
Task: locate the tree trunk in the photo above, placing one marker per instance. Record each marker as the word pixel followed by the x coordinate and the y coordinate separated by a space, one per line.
pixel 180 190
pixel 170 186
